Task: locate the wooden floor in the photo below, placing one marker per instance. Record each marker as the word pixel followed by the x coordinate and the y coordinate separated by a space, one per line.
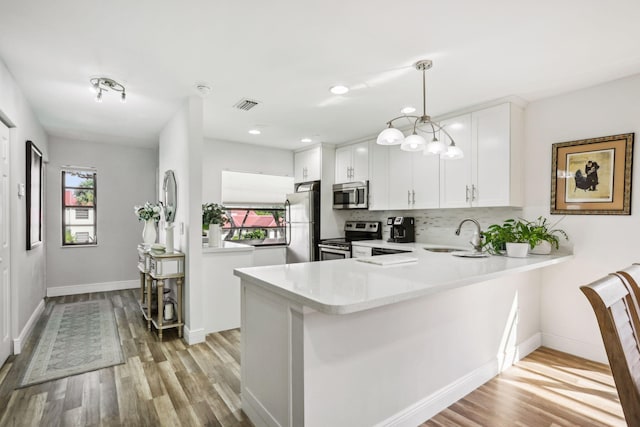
pixel 547 388
pixel 169 383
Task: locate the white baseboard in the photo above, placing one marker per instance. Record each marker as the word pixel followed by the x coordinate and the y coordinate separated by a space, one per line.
pixel 431 405
pixel 92 287
pixel 26 331
pixel 194 336
pixel 589 351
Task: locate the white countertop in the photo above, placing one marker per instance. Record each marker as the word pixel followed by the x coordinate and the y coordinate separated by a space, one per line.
pixel 348 286
pixel 228 247
pixel 406 246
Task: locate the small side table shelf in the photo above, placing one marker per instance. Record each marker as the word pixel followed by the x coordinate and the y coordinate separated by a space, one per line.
pixel 159 266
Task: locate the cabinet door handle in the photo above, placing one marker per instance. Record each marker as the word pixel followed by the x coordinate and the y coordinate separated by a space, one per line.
pixel 466 193
pixel 473 193
pixel 413 196
pixel 408 197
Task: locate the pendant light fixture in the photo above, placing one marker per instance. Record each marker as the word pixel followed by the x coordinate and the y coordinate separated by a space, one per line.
pixel 105 84
pixel 422 124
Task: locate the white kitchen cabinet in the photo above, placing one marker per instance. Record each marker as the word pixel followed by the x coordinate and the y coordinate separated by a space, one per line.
pixel 360 251
pixel 308 165
pixel 378 176
pixel 490 173
pixel 352 163
pixel 414 180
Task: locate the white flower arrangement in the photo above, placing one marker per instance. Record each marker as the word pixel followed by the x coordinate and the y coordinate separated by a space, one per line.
pixel 148 211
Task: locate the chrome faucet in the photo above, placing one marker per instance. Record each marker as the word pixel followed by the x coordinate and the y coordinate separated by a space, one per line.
pixel 476 239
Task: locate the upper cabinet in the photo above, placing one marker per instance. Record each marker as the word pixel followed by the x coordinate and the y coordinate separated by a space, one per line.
pixel 308 165
pixel 490 172
pixel 378 176
pixel 414 180
pixel 352 163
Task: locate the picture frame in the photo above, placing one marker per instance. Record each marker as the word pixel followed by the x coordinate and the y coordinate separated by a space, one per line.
pixel 592 176
pixel 34 196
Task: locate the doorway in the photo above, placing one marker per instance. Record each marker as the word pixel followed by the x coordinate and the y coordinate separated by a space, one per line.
pixel 5 297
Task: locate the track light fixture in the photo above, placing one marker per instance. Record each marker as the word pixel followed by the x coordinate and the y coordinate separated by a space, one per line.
pixel 106 84
pixel 422 124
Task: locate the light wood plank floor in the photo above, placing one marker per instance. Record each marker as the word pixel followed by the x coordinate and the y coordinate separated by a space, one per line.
pixel 169 383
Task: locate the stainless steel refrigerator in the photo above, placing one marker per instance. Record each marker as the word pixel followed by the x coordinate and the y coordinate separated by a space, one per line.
pixel 303 222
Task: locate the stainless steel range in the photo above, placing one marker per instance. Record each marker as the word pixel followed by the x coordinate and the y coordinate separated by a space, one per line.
pixel 353 231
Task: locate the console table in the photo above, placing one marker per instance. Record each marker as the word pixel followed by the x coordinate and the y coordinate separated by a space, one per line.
pixel 158 267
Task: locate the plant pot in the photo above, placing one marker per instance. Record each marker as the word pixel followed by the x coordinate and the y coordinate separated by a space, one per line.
pixel 542 248
pixel 517 250
pixel 214 235
pixel 149 232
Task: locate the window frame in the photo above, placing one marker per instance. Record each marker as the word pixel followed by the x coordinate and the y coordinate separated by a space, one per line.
pixel 63 221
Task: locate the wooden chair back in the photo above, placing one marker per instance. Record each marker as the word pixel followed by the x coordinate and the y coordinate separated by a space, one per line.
pixel 615 306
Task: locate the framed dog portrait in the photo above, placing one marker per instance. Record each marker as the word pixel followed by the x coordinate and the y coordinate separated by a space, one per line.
pixel 592 176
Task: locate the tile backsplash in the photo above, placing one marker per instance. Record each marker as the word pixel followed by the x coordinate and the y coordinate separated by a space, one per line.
pixel 438 225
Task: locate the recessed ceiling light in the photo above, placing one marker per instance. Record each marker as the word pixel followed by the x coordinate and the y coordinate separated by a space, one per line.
pixel 338 89
pixel 408 110
pixel 305 140
pixel 255 132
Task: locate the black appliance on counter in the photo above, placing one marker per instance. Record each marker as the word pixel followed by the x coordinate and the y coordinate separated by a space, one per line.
pixel 402 229
pixel 353 231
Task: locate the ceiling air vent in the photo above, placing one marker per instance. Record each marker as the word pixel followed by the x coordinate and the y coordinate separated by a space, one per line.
pixel 245 104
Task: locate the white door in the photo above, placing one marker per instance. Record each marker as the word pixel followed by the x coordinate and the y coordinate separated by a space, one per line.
pixel 400 177
pixel 343 165
pixel 426 181
pixel 360 162
pixel 492 173
pixel 5 313
pixel 455 175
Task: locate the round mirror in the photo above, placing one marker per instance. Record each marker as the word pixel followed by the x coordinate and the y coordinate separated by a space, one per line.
pixel 170 201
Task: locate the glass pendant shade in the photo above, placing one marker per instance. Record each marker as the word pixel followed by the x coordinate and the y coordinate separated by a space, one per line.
pixel 390 136
pixel 452 153
pixel 413 143
pixel 435 147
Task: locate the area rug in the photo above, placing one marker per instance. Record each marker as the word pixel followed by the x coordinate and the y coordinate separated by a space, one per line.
pixel 78 337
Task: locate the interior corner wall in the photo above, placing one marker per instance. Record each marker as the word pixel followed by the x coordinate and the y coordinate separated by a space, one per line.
pixel 180 149
pixel 126 176
pixel 221 155
pixel 27 267
pixel 602 243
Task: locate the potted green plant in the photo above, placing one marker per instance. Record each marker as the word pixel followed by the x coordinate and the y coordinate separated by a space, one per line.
pixel 512 237
pixel 213 213
pixel 213 218
pixel 543 236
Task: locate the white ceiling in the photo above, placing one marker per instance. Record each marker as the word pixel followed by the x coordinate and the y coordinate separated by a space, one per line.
pixel 287 53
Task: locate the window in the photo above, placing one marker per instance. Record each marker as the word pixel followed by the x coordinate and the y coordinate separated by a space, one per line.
pixel 258 226
pixel 79 207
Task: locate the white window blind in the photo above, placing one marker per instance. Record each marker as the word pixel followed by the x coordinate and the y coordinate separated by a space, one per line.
pixel 243 189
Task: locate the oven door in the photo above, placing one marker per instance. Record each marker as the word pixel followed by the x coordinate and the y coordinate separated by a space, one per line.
pixel 328 253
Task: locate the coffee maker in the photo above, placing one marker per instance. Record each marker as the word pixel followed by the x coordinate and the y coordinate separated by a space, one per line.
pixel 402 229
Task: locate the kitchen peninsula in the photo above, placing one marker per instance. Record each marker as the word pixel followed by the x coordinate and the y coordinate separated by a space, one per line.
pixel 348 343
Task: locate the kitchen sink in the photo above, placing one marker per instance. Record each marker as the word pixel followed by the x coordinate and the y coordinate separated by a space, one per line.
pixel 442 249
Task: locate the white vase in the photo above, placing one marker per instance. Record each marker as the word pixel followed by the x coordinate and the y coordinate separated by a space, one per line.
pixel 517 250
pixel 168 238
pixel 149 232
pixel 542 248
pixel 214 235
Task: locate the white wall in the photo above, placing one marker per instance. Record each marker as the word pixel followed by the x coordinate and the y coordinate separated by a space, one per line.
pixel 126 176
pixel 180 149
pixel 602 244
pixel 221 155
pixel 27 267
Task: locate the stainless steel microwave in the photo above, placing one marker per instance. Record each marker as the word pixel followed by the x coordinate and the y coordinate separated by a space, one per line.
pixel 351 195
